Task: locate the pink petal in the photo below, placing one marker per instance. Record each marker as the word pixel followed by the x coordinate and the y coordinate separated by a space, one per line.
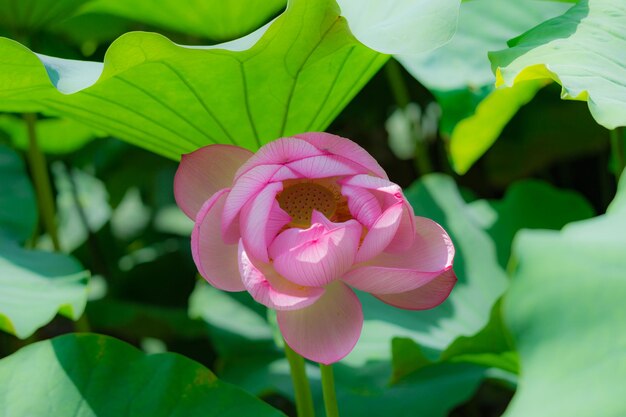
pixel 216 261
pixel 315 256
pixel 326 331
pixel 346 148
pixel 279 152
pixel 394 229
pixel 381 280
pixel 431 251
pixel 205 171
pixel 430 255
pixel 405 236
pixel 270 289
pixel 277 219
pixel 324 166
pixel 363 205
pixel 392 192
pixel 244 189
pixel 381 233
pixel 425 297
pixel 254 218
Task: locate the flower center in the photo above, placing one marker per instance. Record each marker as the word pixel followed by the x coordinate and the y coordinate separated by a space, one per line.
pixel 300 199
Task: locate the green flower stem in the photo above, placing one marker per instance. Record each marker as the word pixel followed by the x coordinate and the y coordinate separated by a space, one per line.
pixel 301 387
pixel 397 84
pixel 328 388
pixel 41 179
pixel 617 149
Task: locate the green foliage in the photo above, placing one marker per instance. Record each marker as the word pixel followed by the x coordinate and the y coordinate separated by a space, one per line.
pixel 18 213
pixel 555 326
pixel 96 375
pixel 579 50
pixel 157 94
pixel 567 333
pixel 473 111
pixel 35 285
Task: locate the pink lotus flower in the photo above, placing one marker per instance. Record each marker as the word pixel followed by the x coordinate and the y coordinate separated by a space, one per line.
pixel 299 223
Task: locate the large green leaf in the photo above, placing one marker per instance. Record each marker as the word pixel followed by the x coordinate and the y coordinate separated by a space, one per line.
pixel 91 375
pixel 466 311
pixel 484 25
pixel 583 50
pixel 35 285
pixel 460 76
pixel 18 213
pixel 566 311
pixel 405 27
pixel 173 99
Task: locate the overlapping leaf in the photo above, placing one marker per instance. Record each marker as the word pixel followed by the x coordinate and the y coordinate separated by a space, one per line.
pixel 35 285
pixel 583 50
pixel 92 375
pixel 460 76
pixel 569 333
pixel 172 99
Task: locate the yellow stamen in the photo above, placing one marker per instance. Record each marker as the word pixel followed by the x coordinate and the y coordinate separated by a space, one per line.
pixel 300 199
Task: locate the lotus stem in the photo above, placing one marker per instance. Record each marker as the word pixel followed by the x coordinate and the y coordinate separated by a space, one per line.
pixel 41 180
pixel 328 388
pixel 301 387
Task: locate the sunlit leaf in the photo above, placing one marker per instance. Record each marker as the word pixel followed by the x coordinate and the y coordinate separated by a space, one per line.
pixel 93 375
pixel 35 285
pixel 474 135
pixel 460 76
pixel 173 99
pixel 401 26
pixel 569 333
pixel 583 50
pixel 18 212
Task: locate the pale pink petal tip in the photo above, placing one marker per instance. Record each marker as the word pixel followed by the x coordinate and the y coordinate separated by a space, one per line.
pixel 216 261
pixel 326 331
pixel 345 148
pixel 425 297
pixel 205 171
